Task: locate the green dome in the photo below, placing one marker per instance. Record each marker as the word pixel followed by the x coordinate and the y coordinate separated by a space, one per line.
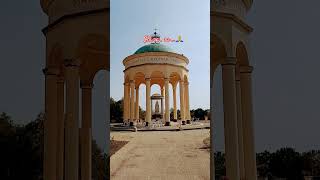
pixel 154 47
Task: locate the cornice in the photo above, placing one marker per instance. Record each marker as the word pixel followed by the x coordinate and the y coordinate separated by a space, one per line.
pixel 168 54
pixel 72 16
pixel 234 18
pixel 45 4
pixel 151 64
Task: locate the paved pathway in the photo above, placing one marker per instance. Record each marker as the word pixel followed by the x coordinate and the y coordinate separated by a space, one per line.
pixel 168 155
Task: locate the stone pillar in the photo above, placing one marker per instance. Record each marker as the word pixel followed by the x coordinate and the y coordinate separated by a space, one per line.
pixel 151 101
pixel 162 108
pixel 137 104
pixel 86 132
pixel 126 107
pixel 247 122
pixel 212 95
pixel 240 129
pixel 230 119
pixel 132 108
pixel 187 111
pixel 50 124
pixel 72 121
pixel 167 102
pixel 182 103
pixel 162 105
pixel 175 116
pixel 148 103
pixel 60 123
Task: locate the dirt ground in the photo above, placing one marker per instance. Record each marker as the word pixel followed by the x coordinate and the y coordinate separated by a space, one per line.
pixel 165 155
pixel 116 146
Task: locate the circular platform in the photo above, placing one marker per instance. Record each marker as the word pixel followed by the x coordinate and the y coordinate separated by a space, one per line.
pixel 175 126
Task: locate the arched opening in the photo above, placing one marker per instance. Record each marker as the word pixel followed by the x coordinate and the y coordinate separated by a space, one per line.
pixel 93 59
pixel 218 54
pixel 100 125
pixel 242 55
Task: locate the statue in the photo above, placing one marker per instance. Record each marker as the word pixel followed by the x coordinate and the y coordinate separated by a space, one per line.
pixel 157 108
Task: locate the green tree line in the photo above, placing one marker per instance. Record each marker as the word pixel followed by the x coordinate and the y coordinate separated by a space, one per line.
pixel 21 152
pixel 283 163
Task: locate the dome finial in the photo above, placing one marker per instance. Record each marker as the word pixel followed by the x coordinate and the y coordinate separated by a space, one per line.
pixel 155 37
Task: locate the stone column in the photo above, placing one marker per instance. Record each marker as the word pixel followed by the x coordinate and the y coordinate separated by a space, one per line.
pixel 126 102
pixel 230 119
pixel 148 105
pixel 212 95
pixel 175 116
pixel 72 121
pixel 152 111
pixel 247 122
pixel 240 129
pixel 162 105
pixel 167 102
pixel 162 108
pixel 182 103
pixel 50 124
pixel 60 123
pixel 132 108
pixel 86 132
pixel 137 104
pixel 187 112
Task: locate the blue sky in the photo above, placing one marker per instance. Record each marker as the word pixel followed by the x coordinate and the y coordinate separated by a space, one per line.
pixel 132 20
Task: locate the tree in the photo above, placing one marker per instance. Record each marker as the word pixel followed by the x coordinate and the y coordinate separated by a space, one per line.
pixel 100 163
pixel 142 113
pixel 263 163
pixel 311 163
pixel 21 151
pixel 286 163
pixel 116 110
pixel 219 161
pixel 6 125
pixel 199 113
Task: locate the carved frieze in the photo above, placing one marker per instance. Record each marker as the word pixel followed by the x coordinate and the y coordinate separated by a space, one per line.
pixel 155 60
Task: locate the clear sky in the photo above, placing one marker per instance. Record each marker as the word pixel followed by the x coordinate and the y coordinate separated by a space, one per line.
pixel 173 18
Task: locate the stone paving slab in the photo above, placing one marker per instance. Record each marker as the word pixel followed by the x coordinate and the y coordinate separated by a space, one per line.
pixel 167 155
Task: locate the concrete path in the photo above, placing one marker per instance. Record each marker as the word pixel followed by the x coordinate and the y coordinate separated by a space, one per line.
pixel 168 155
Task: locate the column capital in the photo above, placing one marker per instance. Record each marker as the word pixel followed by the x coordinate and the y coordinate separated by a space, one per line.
pixel 86 85
pixel 174 86
pixel 229 61
pixel 126 83
pixel 71 63
pixel 246 69
pixel 60 81
pixel 51 71
pixel 131 81
pixel 167 79
pixel 148 79
pixel 186 83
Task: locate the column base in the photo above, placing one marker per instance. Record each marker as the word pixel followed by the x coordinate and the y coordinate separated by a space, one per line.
pixel 188 122
pixel 183 122
pixel 131 124
pixel 175 120
pixel 167 124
